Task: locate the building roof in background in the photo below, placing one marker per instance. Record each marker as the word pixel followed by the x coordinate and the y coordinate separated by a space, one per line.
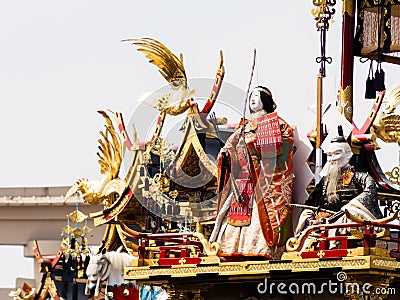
pixel 33 196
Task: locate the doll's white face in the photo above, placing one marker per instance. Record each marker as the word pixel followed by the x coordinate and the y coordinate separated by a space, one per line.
pixel 255 101
pixel 339 153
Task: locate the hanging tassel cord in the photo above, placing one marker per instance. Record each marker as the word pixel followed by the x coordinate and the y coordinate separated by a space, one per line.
pixel 323 59
pixel 379 73
pixel 375 83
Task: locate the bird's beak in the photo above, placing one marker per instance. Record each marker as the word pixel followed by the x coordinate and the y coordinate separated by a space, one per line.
pixel 72 191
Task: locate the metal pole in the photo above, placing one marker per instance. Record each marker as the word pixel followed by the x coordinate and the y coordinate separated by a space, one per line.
pixel 318 141
pixel 322 13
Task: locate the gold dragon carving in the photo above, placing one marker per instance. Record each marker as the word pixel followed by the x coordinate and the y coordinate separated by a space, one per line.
pixel 110 156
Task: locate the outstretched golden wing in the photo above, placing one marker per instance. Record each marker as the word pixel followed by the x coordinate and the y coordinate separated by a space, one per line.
pixel 170 67
pixel 111 149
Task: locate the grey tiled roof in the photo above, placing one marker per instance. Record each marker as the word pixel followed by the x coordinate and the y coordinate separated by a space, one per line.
pixel 35 196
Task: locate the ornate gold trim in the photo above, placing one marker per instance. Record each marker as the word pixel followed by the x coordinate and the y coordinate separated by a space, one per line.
pixel 49 288
pixel 365 4
pixel 323 11
pixel 377 262
pixel 364 264
pixel 252 268
pixel 393 175
pixel 211 249
pixel 346 102
pixel 191 139
pixel 129 246
pixel 349 7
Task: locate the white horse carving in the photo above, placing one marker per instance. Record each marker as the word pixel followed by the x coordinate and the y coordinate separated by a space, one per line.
pixel 110 267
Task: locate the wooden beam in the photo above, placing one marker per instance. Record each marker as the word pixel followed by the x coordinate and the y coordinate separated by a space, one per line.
pixel 385 58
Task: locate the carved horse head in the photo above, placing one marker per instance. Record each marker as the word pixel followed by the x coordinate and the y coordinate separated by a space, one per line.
pixel 97 271
pixel 107 266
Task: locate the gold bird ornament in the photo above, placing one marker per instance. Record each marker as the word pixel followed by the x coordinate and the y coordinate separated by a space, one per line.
pixel 110 186
pixel 172 69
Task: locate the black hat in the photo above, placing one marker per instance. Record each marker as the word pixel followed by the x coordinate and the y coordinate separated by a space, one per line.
pixel 340 138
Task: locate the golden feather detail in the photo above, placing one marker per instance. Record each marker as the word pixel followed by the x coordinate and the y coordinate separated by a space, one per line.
pixel 110 154
pixel 170 66
pixel 111 151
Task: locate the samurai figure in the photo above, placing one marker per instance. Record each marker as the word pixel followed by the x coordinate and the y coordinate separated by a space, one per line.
pixel 341 188
pixel 255 183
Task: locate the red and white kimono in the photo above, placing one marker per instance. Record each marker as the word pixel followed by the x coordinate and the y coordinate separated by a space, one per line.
pixel 255 184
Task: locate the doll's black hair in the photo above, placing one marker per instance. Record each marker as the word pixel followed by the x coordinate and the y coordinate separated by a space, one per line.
pixel 266 98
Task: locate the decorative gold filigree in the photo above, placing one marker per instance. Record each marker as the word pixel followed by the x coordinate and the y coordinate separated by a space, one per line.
pixel 385 263
pixel 345 102
pixel 211 249
pixel 67 229
pixel 323 12
pixel 365 4
pixel 162 102
pixel 86 229
pixel 74 240
pixel 292 244
pixel 321 253
pixel 24 293
pixel 162 182
pixel 77 233
pixel 173 194
pixel 49 288
pixel 77 216
pixel 381 221
pixel 182 261
pixel 178 107
pixel 248 268
pixel 154 187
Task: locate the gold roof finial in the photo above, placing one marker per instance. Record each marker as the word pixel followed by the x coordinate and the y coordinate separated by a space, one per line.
pixel 323 12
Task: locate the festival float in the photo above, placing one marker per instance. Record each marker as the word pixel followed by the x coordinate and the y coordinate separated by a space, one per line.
pixel 159 239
